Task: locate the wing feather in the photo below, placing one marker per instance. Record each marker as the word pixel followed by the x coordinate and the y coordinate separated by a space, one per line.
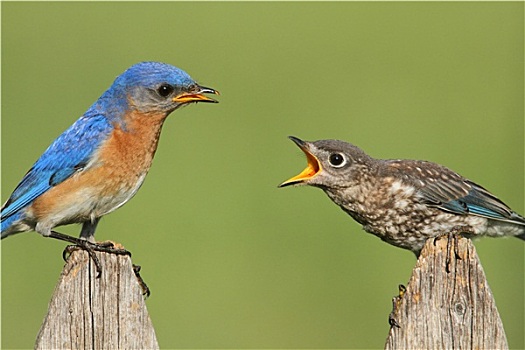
pixel 440 187
pixel 69 153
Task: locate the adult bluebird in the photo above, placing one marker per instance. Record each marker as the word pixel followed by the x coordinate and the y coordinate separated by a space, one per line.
pixel 404 202
pixel 100 162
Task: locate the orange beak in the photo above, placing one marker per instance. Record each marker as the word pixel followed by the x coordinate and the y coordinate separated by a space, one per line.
pixel 313 167
pixel 197 96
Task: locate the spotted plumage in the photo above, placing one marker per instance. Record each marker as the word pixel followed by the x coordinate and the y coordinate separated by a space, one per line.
pixel 403 202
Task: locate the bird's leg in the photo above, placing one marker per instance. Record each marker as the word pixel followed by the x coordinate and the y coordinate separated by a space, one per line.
pixel 89 247
pixel 396 301
pixel 88 233
pixel 88 229
pixel 145 290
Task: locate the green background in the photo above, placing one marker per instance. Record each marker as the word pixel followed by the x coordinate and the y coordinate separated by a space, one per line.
pixel 233 261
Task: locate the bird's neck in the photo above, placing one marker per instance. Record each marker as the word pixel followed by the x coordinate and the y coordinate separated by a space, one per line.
pixel 358 196
pixel 136 121
pixel 138 136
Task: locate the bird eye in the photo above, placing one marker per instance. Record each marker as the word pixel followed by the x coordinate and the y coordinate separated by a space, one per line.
pixel 337 160
pixel 165 90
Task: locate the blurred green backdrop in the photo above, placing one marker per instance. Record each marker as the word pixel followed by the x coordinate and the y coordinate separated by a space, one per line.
pixel 232 261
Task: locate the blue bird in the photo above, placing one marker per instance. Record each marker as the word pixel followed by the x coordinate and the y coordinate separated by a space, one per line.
pixel 404 202
pixel 100 162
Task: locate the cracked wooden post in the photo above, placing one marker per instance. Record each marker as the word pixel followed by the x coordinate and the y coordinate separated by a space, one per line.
pixel 97 313
pixel 441 310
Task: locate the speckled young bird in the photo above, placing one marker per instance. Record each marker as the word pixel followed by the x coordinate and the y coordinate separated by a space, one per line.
pixel 403 202
pixel 100 162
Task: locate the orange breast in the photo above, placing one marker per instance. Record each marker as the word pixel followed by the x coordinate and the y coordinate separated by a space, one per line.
pixel 113 176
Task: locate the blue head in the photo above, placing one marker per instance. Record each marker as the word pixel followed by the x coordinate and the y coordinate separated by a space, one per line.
pixel 151 87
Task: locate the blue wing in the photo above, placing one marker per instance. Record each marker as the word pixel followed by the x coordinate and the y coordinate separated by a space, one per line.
pixel 481 202
pixel 69 153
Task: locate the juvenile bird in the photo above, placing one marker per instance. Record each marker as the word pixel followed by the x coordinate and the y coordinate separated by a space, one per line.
pixel 403 202
pixel 100 162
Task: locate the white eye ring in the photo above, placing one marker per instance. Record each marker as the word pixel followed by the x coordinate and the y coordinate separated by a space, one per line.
pixel 337 160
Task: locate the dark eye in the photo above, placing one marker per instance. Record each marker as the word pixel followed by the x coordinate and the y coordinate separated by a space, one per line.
pixel 165 90
pixel 337 160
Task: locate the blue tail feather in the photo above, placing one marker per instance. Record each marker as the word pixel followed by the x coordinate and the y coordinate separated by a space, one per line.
pixel 6 224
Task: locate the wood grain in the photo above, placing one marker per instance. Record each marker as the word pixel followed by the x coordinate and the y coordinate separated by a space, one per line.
pixel 447 310
pixel 86 312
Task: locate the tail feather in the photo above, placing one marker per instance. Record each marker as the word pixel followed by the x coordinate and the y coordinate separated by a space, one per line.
pixel 520 221
pixel 10 225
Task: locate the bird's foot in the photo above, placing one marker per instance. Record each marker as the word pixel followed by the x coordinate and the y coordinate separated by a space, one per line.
pixel 145 290
pixel 91 248
pixel 452 239
pixel 74 247
pixel 396 302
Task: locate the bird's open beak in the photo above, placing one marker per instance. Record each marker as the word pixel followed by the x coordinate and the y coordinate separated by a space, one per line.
pixel 196 96
pixel 312 169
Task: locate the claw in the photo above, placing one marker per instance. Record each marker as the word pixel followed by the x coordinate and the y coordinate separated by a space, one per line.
pixel 145 290
pixel 68 250
pixel 396 302
pixel 90 248
pixel 452 239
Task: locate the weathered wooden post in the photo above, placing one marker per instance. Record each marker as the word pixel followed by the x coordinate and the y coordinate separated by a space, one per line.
pixel 87 312
pixel 447 310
